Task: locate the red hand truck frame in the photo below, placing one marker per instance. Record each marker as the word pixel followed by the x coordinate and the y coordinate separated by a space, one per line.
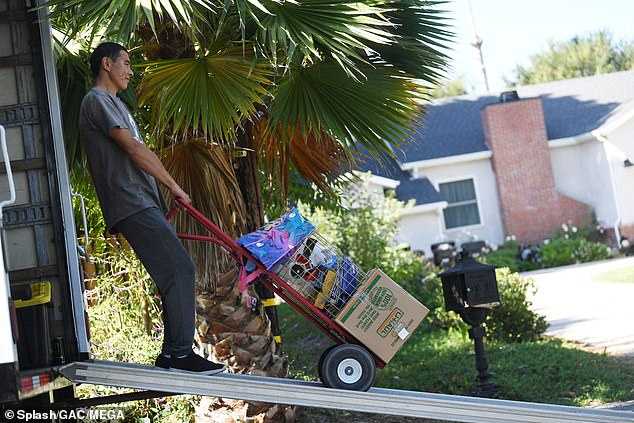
pixel 346 365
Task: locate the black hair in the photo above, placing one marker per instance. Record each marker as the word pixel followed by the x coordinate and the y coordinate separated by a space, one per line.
pixel 108 49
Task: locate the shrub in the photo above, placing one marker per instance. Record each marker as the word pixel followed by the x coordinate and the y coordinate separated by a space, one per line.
pixel 431 295
pixel 126 326
pixel 591 251
pixel 504 257
pixel 512 321
pixel 559 252
pixel 563 251
pixel 510 256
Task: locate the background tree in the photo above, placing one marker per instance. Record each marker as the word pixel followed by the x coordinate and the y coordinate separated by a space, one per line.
pixel 450 88
pixel 580 56
pixel 234 93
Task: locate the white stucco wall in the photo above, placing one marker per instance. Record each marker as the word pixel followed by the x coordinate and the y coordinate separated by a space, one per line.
pixel 581 172
pixel 593 172
pixel 420 230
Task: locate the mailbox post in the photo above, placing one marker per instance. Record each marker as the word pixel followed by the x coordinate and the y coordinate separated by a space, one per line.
pixel 470 289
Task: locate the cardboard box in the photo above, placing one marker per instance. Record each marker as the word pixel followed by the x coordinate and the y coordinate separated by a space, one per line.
pixel 381 315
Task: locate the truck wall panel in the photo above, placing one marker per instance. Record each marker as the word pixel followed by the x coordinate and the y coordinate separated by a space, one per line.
pixel 20 248
pixel 15 144
pixel 9 87
pixel 6 48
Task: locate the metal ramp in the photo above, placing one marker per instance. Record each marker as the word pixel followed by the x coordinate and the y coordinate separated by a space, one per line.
pixel 314 394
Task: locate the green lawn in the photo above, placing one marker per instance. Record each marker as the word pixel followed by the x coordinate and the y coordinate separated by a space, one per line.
pixel 618 275
pixel 433 360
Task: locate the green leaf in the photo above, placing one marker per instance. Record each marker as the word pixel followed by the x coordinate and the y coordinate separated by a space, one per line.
pixel 423 32
pixel 208 95
pixel 370 113
pixel 322 28
pixel 120 18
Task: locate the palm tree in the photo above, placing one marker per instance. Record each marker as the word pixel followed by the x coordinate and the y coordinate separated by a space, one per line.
pixel 244 91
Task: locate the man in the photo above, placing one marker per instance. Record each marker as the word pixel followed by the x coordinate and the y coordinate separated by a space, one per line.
pixel 125 174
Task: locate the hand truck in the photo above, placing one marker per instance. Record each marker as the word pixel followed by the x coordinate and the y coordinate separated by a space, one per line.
pixel 348 364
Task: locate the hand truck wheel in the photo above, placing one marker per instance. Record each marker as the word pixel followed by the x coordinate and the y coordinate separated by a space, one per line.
pixel 320 363
pixel 347 366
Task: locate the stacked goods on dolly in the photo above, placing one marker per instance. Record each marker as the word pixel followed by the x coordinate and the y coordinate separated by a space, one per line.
pixel 373 315
pixel 291 247
pixel 370 306
pixel 322 275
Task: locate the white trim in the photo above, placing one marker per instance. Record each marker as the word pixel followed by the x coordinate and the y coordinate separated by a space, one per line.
pixel 383 181
pixel 477 194
pixel 442 161
pixel 575 140
pixel 460 229
pixel 375 179
pixel 424 208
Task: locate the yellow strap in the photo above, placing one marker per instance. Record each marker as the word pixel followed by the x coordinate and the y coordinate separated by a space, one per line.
pixel 270 302
pixel 278 339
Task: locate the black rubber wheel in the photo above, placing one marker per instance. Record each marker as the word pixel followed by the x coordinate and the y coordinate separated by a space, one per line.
pixel 348 366
pixel 320 363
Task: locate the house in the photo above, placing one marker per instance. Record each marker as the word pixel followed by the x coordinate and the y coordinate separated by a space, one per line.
pixel 521 163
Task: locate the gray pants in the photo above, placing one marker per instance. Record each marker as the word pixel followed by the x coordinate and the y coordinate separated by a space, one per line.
pixel 155 242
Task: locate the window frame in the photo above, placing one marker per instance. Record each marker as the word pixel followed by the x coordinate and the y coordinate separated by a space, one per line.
pixel 476 200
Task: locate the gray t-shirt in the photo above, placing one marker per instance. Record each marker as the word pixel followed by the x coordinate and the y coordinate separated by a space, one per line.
pixel 122 187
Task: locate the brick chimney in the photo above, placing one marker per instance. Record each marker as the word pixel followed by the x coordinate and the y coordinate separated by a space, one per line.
pixel 531 206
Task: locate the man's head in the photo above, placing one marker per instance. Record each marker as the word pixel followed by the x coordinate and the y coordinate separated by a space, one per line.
pixel 110 63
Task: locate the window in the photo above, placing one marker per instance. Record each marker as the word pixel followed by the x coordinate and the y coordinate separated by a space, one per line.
pixel 462 208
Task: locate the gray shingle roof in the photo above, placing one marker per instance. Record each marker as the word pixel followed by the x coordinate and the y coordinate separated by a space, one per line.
pixel 452 126
pixel 420 190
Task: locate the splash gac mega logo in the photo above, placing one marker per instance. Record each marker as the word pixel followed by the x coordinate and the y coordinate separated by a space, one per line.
pixel 388 325
pixel 382 298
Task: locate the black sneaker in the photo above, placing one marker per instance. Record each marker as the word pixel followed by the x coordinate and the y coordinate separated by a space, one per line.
pixel 193 363
pixel 163 362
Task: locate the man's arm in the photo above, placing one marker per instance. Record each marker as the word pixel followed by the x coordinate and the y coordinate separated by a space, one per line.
pixel 147 160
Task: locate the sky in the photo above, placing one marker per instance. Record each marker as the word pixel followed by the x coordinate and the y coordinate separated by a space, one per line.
pixel 512 31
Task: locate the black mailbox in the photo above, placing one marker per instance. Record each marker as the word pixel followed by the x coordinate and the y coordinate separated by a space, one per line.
pixel 471 289
pixel 470 284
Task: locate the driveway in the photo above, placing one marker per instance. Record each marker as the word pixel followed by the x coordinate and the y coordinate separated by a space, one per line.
pixel 600 314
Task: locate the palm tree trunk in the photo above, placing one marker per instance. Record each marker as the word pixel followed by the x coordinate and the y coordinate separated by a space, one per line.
pixel 247 174
pixel 248 178
pixel 243 338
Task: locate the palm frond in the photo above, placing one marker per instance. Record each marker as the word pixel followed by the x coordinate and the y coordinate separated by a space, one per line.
pixel 74 78
pixel 423 33
pixel 204 171
pixel 208 95
pixel 318 158
pixel 373 113
pixel 320 29
pixel 119 18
